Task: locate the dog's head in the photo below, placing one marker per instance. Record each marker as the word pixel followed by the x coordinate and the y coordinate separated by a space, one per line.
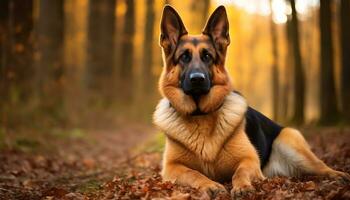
pixel 194 64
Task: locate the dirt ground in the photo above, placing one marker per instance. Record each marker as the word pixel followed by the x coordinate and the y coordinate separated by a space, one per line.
pixel 118 164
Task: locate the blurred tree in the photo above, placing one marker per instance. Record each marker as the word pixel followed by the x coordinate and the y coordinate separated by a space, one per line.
pixel 4 20
pixel 345 61
pixel 148 48
pixel 127 54
pixel 20 52
pixel 101 28
pixel 275 82
pixel 328 98
pixel 50 29
pixel 75 61
pixel 299 77
pixel 199 12
pixel 18 65
pixel 289 63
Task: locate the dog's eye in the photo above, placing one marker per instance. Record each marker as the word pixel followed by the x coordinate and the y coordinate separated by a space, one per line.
pixel 206 57
pixel 185 57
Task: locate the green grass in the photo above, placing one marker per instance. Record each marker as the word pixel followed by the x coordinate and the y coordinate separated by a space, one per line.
pixel 154 144
pixel 75 133
pixel 33 141
pixel 89 186
pixel 26 144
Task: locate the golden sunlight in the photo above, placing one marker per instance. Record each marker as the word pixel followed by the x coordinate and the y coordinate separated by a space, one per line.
pixel 280 8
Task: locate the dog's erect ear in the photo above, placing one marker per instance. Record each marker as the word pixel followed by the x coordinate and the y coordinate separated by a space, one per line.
pixel 218 28
pixel 172 28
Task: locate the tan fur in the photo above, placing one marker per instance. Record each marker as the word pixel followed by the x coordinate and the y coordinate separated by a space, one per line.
pixel 209 131
pixel 291 156
pixel 168 86
pixel 200 149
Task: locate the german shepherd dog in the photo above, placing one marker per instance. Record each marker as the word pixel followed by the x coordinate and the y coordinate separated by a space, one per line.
pixel 212 135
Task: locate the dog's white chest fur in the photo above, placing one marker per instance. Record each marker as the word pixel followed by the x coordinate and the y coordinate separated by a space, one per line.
pixel 202 135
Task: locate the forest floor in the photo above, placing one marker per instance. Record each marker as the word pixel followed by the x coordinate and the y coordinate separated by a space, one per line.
pixel 125 164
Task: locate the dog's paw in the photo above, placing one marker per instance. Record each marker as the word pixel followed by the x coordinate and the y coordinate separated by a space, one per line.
pixel 239 191
pixel 213 189
pixel 338 175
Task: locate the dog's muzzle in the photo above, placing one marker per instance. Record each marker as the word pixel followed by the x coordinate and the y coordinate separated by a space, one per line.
pixel 196 84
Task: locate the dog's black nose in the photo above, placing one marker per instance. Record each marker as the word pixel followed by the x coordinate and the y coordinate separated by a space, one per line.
pixel 195 83
pixel 197 78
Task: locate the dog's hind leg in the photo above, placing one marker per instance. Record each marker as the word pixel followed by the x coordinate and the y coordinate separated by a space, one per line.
pixel 292 156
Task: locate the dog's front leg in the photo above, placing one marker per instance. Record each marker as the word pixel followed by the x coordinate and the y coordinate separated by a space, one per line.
pixel 248 170
pixel 183 175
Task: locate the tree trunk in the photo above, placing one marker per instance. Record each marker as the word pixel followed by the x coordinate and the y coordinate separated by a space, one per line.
pixel 328 98
pixel 299 77
pixel 50 64
pixel 285 108
pixel 75 60
pixel 148 48
pixel 4 19
pixel 275 82
pixel 205 11
pixel 20 53
pixel 101 47
pixel 199 8
pixel 17 61
pixel 127 54
pixel 4 75
pixel 345 61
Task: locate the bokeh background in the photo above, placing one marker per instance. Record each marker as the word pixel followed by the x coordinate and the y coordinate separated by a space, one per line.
pixel 95 63
pixel 78 86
